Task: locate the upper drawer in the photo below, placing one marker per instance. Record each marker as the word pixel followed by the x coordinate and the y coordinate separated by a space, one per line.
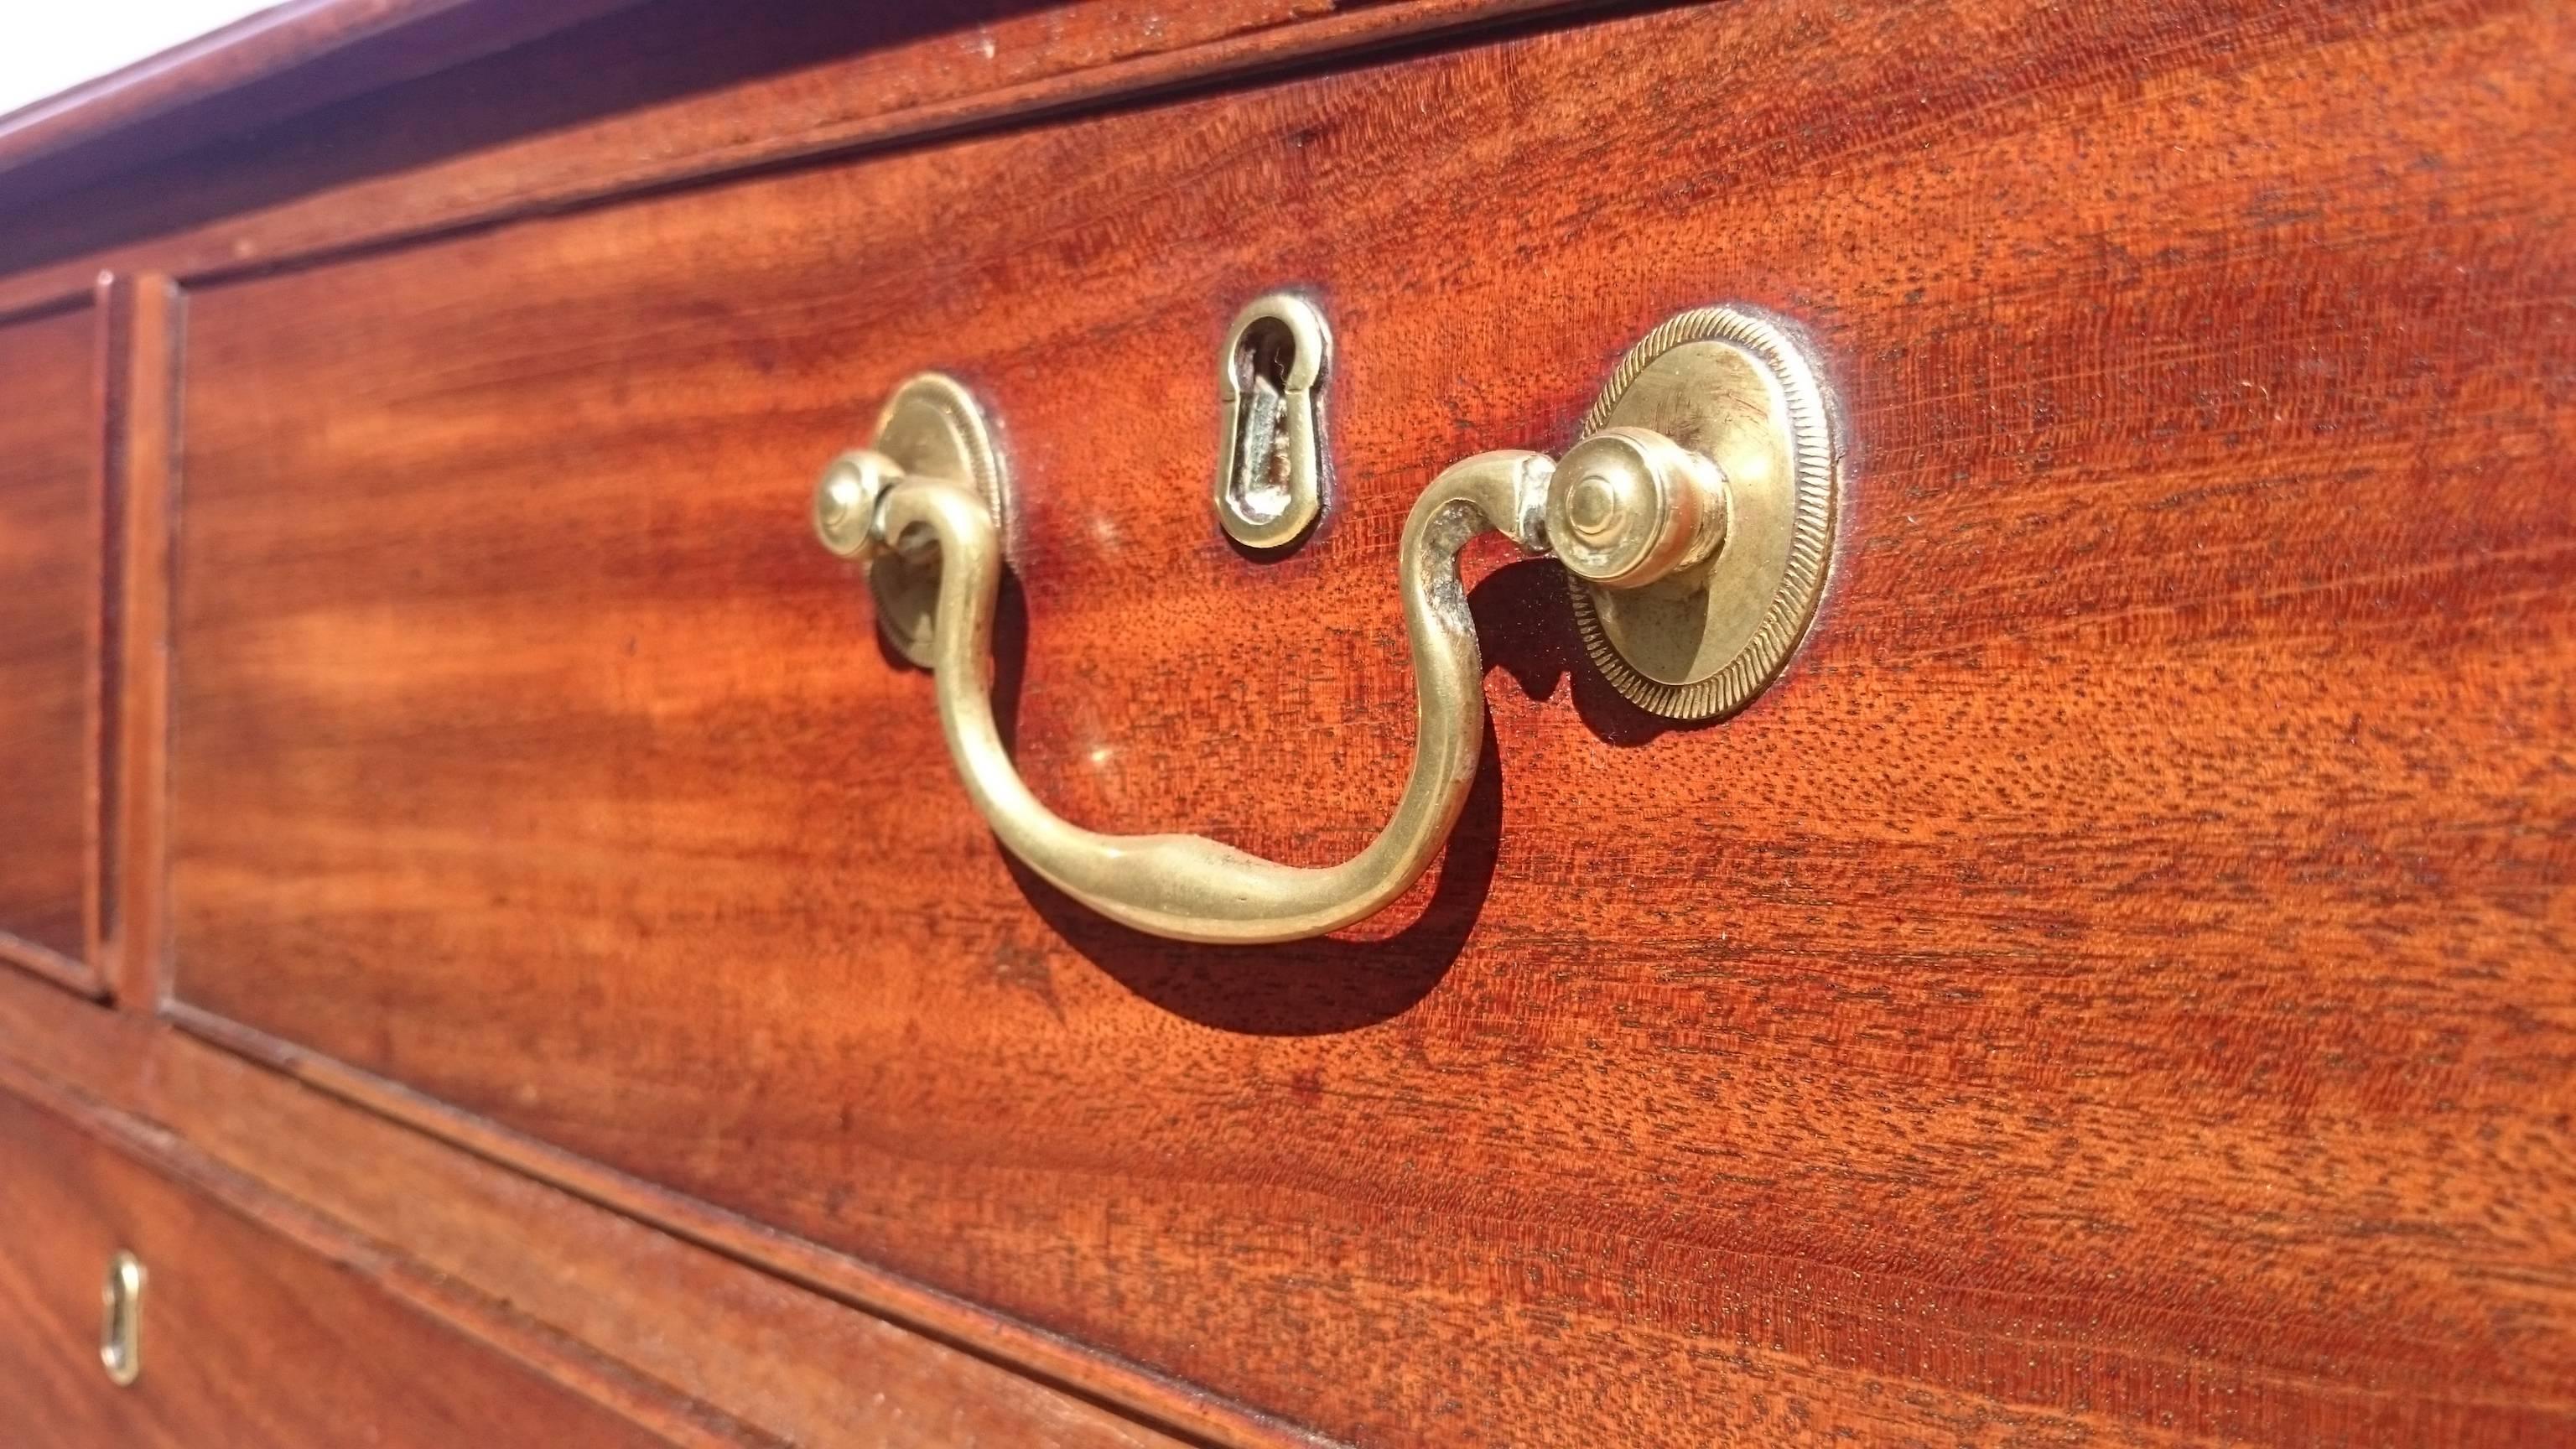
pixel 246 1338
pixel 2105 983
pixel 51 546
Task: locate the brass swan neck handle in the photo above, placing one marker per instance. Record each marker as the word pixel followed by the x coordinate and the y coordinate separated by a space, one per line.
pixel 1188 887
pixel 1628 510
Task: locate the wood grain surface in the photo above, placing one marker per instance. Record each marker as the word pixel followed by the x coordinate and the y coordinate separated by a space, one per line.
pixel 674 90
pixel 2115 988
pixel 667 1333
pixel 248 1337
pixel 140 452
pixel 50 551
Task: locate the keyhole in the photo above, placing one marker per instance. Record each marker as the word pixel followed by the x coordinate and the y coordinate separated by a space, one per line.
pixel 1262 466
pixel 1269 486
pixel 120 1328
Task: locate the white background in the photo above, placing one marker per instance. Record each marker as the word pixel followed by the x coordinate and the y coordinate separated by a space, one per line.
pixel 49 46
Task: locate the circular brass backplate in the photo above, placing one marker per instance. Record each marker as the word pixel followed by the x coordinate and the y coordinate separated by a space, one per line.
pixel 931 428
pixel 1732 386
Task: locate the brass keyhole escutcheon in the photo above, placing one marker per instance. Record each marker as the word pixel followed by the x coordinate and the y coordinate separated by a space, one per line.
pixel 1270 476
pixel 120 1324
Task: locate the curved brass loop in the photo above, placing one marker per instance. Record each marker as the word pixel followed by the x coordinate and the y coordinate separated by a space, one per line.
pixel 1188 887
pixel 1695 519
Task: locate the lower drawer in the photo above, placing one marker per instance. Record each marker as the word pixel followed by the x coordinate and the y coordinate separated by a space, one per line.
pixel 245 1337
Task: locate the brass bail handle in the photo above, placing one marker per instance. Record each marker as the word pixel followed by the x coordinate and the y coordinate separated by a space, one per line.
pixel 1694 519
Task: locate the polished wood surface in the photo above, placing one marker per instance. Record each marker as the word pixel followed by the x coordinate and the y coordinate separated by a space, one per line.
pixel 142 397
pixel 2110 990
pixel 248 1337
pixel 49 608
pixel 673 90
pixel 669 1333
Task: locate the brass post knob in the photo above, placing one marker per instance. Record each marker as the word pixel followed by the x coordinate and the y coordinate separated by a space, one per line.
pixel 1629 506
pixel 845 502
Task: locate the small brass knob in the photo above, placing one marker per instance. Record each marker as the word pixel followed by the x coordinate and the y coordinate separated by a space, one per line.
pixel 1629 506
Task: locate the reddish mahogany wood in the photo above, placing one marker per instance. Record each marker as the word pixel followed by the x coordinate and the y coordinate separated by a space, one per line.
pixel 250 1337
pixel 674 90
pixel 2112 989
pixel 50 598
pixel 1187 1410
pixel 142 395
pixel 667 1332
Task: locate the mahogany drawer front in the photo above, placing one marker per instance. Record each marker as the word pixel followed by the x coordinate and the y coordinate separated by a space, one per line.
pixel 246 1337
pixel 2107 988
pixel 50 551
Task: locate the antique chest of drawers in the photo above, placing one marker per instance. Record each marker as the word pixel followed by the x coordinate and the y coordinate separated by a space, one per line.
pixel 1887 691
